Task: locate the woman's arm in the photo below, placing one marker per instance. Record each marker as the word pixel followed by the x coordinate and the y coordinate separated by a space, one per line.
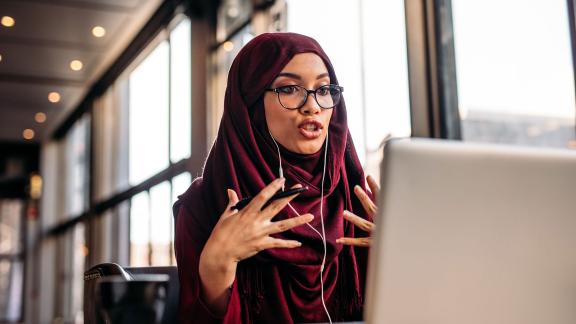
pixel 239 235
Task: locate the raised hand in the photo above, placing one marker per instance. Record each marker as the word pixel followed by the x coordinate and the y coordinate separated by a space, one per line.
pixel 239 235
pixel 370 208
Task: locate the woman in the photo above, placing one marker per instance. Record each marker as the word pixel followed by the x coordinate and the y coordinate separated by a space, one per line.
pixel 292 260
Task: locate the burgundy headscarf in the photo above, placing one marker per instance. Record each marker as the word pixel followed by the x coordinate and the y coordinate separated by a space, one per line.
pixel 280 285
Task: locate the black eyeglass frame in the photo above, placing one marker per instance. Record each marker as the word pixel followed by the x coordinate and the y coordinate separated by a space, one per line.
pixel 308 92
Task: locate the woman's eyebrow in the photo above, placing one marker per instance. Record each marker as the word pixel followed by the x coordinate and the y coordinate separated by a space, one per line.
pixel 290 75
pixel 297 77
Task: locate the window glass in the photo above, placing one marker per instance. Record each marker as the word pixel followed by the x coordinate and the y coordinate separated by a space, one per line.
pixel 148 115
pixel 11 214
pixel 139 230
pixel 342 43
pixel 180 92
pixel 514 68
pixel 180 184
pixel 385 71
pixel 11 265
pixel 160 222
pixel 77 169
pixel 221 61
pixel 79 253
pixel 231 14
pixel 11 283
pixel 368 53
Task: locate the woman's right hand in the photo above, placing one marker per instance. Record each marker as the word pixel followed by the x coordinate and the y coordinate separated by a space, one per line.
pixel 239 235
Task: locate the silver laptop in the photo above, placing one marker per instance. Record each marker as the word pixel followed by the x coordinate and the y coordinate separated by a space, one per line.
pixel 474 233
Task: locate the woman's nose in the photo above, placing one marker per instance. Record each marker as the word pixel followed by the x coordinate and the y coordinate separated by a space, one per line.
pixel 310 106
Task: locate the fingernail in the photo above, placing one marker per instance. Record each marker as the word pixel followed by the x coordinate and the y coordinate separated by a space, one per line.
pixel 309 218
pixel 338 240
pixel 297 244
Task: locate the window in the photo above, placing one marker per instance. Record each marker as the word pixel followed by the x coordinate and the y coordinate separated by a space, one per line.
pixel 148 102
pixel 180 92
pixel 221 61
pixel 77 167
pixel 231 15
pixel 152 225
pixel 11 260
pixel 140 230
pixel 369 55
pixel 515 76
pixel 71 263
pixel 160 117
pixel 140 128
pixel 160 222
pixel 180 184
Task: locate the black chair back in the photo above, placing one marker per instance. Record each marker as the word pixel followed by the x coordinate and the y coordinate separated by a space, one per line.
pixel 91 276
pixel 173 298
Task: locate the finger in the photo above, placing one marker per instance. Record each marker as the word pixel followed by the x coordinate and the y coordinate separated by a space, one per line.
pixel 275 243
pixel 232 200
pixel 373 185
pixel 355 241
pixel 262 197
pixel 277 205
pixel 284 225
pixel 360 222
pixel 367 203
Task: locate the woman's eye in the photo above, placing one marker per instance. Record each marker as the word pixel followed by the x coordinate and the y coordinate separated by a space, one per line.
pixel 288 89
pixel 324 91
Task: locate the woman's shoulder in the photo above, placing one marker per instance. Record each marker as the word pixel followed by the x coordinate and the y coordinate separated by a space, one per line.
pixel 192 193
pixel 194 187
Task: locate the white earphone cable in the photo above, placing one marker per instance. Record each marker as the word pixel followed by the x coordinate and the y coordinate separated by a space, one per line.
pixel 323 234
pixel 323 231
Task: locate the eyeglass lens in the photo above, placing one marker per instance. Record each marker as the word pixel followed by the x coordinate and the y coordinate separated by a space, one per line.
pixel 293 97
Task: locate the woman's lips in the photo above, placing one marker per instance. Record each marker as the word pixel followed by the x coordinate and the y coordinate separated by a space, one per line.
pixel 310 129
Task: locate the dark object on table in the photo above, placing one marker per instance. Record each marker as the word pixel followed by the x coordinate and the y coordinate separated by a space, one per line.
pixel 140 300
pixel 92 276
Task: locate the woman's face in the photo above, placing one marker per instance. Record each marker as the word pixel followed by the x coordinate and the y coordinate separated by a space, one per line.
pixel 300 130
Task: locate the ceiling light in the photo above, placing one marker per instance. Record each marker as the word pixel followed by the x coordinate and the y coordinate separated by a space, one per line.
pixel 98 31
pixel 40 117
pixel 28 134
pixel 228 46
pixel 8 21
pixel 76 65
pixel 0 57
pixel 53 97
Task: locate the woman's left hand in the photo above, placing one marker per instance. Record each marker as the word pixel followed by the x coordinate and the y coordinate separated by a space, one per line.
pixel 370 207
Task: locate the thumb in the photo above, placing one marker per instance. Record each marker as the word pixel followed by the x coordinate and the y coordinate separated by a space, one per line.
pixel 232 200
pixel 232 197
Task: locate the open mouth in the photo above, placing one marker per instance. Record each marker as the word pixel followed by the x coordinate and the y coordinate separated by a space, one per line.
pixel 310 129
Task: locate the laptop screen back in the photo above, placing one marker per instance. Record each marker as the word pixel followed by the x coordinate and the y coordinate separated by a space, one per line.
pixel 471 233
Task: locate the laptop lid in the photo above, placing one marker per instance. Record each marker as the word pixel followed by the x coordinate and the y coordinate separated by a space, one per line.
pixel 474 233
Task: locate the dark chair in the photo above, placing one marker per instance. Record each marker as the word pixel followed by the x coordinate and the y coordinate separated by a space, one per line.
pixel 91 316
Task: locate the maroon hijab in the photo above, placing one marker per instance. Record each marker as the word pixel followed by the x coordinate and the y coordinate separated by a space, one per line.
pixel 277 284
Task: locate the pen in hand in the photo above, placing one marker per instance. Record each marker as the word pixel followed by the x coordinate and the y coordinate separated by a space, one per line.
pixel 279 195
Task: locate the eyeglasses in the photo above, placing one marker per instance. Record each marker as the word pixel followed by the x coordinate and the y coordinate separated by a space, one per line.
pixel 295 97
